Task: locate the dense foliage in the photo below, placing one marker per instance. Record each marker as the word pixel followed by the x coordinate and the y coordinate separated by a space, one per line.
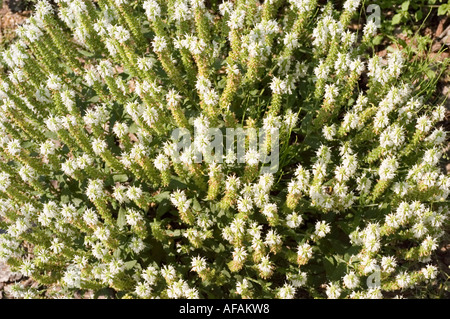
pixel 95 193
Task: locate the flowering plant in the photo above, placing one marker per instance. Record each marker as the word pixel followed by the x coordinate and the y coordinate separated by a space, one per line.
pixel 97 191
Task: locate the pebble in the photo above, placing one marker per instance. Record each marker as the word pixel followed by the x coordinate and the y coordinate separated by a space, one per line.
pixel 5 273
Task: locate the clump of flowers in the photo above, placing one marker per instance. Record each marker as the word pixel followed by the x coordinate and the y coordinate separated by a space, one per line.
pixel 111 174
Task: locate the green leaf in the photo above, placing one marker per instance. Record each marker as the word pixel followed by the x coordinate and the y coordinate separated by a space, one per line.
pixel 122 178
pixel 377 40
pixel 196 205
pixel 163 208
pixel 174 233
pixel 397 19
pixel 431 74
pixel 161 196
pixel 121 217
pixel 418 15
pixel 329 264
pixel 133 127
pixel 405 6
pixel 130 264
pixel 334 270
pixel 86 53
pixel 94 99
pixel 444 9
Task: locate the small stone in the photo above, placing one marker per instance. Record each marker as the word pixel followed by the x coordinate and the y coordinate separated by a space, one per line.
pixel 5 273
pixel 15 277
pixel 27 282
pixel 436 47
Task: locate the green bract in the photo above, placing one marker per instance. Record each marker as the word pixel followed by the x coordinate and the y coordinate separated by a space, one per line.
pixel 96 191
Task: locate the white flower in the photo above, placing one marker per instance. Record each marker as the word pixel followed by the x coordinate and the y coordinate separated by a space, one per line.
pixel 198 264
pixel 304 251
pixel 16 76
pixel 134 193
pixel 150 275
pixel 56 246
pixel 244 204
pixel 331 92
pixel 120 33
pixel 144 63
pixel 54 82
pixel 401 188
pixel 94 189
pixel 203 84
pixel 67 97
pixel 173 98
pixel 403 280
pixel 179 200
pixel 120 129
pixel 438 136
pixel 91 76
pixel 13 147
pixel 429 272
pixel 137 245
pixel 329 131
pixel 162 162
pixel 239 254
pixel 290 40
pixel 432 156
pixel 269 210
pixel 351 5
pixel 265 267
pixel 370 29
pixel 4 181
pixel 152 9
pixel 252 157
pixel 90 217
pixel 181 11
pixel 333 291
pixel 211 97
pixel 286 292
pixel 105 68
pixel 351 280
pixel 424 124
pixel 237 19
pixel 143 290
pixel 226 7
pixel 388 168
pixel 27 173
pixel 159 43
pixel 242 286
pixel 27 268
pixel 99 146
pixel 293 220
pixel 429 244
pixel 273 239
pixel 290 119
pixel 322 229
pixel 278 86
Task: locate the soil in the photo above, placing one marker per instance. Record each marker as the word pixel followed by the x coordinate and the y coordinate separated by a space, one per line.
pixel 12 14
